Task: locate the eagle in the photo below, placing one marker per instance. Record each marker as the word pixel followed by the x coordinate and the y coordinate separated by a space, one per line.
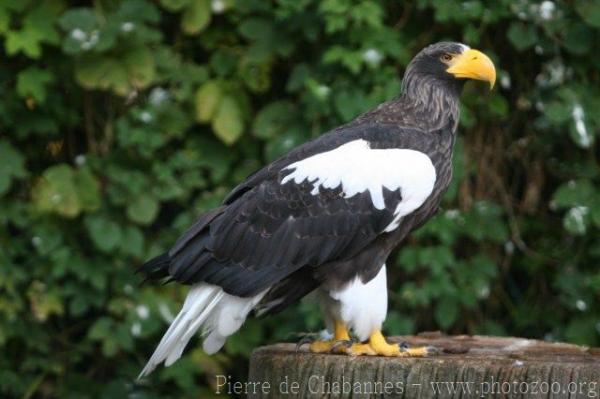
pixel 325 217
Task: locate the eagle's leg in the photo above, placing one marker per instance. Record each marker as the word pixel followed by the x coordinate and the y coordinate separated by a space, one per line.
pixel 340 333
pixel 377 345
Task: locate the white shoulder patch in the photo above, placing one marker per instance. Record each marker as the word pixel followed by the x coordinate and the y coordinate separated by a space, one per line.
pixel 358 168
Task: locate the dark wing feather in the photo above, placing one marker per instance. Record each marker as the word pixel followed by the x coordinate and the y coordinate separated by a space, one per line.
pixel 265 231
pixel 273 230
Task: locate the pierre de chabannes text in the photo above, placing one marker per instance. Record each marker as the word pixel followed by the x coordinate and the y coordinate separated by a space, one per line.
pixel 318 384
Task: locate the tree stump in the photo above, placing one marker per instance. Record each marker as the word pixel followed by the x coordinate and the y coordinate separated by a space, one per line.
pixel 467 366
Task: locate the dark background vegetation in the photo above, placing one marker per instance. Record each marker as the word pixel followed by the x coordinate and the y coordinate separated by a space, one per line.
pixel 121 121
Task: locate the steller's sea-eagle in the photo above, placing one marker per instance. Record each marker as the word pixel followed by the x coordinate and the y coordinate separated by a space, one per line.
pixel 325 217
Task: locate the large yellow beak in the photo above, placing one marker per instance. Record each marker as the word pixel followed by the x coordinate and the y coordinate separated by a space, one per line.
pixel 473 64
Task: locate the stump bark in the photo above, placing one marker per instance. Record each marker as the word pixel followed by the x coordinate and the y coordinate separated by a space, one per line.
pixel 466 367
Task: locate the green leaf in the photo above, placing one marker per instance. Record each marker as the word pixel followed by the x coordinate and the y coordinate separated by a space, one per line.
pixel 522 36
pixel 256 28
pixel 446 313
pixel 350 103
pixel 140 67
pixel 228 123
pixel 11 167
pixel 595 213
pixel 256 75
pixel 88 190
pixel 78 18
pixel 102 328
pixel 32 82
pixel 133 241
pixel 589 11
pixel 577 39
pixel 65 191
pixel 24 41
pixel 573 193
pixel 103 73
pixel 273 119
pixel 37 28
pixel 138 10
pixel 105 234
pixel 4 20
pixel 196 17
pixel 143 209
pixel 557 112
pixel 174 5
pixel 208 98
pixel 582 330
pixel 484 222
pixel 56 192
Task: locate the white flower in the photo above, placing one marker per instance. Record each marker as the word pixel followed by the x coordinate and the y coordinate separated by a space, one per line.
pixel 78 35
pixel 509 247
pixel 127 26
pixel 136 329
pixel 322 91
pixel 158 95
pixel 505 81
pixel 80 160
pixel 581 305
pixel 539 105
pixel 452 213
pixel 218 6
pixel 539 50
pixel 146 117
pixel 483 292
pixel 372 56
pixel 583 136
pixel 577 215
pixel 88 43
pixel 547 10
pixel 142 311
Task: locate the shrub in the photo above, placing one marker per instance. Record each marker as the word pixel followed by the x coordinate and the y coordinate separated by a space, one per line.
pixel 121 121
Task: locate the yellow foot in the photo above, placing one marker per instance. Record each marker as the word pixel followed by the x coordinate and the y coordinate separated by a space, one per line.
pixel 377 345
pixel 340 335
pixel 359 350
pixel 321 346
pixel 419 351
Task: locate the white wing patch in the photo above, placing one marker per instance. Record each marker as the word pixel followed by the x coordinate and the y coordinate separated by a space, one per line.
pixel 358 168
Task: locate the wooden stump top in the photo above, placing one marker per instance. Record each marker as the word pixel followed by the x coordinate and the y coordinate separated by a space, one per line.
pixel 467 366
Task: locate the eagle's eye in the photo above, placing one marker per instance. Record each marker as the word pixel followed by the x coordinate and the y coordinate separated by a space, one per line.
pixel 446 57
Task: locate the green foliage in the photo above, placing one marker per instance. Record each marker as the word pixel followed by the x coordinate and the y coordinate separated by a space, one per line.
pixel 122 120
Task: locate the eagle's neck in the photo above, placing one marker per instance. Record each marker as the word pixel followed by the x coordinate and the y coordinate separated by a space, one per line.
pixel 432 100
pixel 426 103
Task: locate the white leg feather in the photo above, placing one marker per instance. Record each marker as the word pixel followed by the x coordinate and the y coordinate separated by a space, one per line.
pixel 362 307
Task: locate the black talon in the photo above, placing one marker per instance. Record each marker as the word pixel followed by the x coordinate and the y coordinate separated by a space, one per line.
pixel 307 339
pixel 404 345
pixel 342 343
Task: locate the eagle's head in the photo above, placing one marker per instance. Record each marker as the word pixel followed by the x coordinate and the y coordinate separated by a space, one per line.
pixel 449 64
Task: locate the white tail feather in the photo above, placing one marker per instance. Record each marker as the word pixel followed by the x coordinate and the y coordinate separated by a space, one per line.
pixel 210 308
